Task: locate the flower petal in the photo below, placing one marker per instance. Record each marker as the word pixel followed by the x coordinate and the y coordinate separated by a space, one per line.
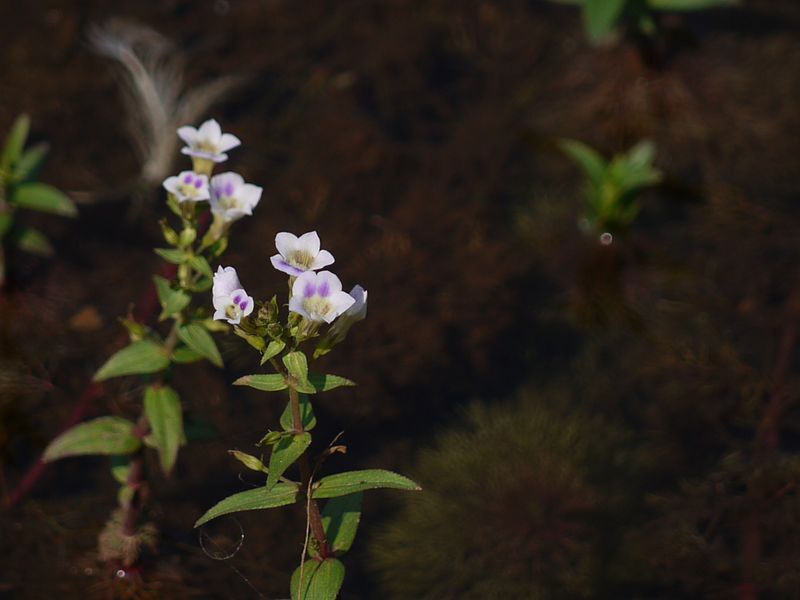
pixel 296 306
pixel 228 141
pixel 326 279
pixel 210 131
pixel 285 242
pixel 309 242
pixel 225 281
pixel 284 267
pixel 188 134
pixel 171 184
pixel 323 259
pixel 341 302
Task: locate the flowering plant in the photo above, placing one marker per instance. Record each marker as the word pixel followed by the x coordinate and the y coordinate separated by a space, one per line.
pixel 153 351
pixel 318 311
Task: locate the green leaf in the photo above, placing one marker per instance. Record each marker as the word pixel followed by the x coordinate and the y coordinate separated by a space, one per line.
pixel 306 415
pixel 104 435
pixel 201 265
pixel 297 365
pixel 171 255
pixel 255 341
pixel 323 383
pixel 274 348
pixel 198 339
pixel 359 481
pixel 44 198
pixel 185 355
pixel 162 406
pixel 591 161
pixel 172 301
pixel 30 163
pixel 249 461
pixel 140 357
pixel 255 499
pixel 266 383
pixel 32 241
pixel 601 17
pixel 340 518
pixel 284 454
pixel 15 142
pixel 322 580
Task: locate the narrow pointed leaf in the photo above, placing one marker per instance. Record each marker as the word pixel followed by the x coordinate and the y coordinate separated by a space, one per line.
pixel 255 499
pixel 171 255
pixel 359 481
pixel 249 461
pixel 15 141
pixel 32 241
pixel 201 265
pixel 140 357
pixel 321 580
pixel 297 365
pixel 266 383
pixel 44 198
pixel 340 518
pixel 104 435
pixel 306 415
pixel 274 348
pixel 185 355
pixel 323 383
pixel 284 454
pixel 30 163
pixel 591 161
pixel 162 406
pixel 172 301
pixel 198 339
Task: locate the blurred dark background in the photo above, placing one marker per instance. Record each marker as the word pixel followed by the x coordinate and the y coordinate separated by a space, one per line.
pixel 587 421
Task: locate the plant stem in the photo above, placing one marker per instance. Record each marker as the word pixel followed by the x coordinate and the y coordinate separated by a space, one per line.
pixel 314 516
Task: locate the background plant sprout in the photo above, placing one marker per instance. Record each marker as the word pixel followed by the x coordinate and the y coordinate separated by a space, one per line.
pixel 19 170
pixel 613 187
pixel 603 18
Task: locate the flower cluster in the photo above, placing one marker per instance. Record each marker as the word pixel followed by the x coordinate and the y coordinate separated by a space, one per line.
pixel 316 296
pixel 227 193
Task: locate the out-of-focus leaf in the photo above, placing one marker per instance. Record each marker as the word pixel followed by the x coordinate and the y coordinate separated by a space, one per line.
pixel 44 198
pixel 104 435
pixel 144 356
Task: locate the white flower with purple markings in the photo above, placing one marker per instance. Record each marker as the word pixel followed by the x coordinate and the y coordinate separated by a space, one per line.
pixel 319 297
pixel 297 255
pixel 232 198
pixel 357 312
pixel 187 186
pixel 208 142
pixel 231 302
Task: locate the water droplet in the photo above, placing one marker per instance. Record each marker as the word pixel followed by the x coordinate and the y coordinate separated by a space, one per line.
pixel 606 239
pixel 88 571
pixel 121 573
pixel 222 538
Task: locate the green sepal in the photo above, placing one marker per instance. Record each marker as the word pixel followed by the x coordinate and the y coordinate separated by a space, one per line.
pixel 104 435
pixel 306 415
pixel 200 264
pixel 274 348
pixel 322 580
pixel 249 461
pixel 31 241
pixel 185 355
pixel 213 325
pixel 136 331
pixel 15 142
pixel 351 482
pixel 198 339
pixel 43 198
pixel 284 454
pixel 340 519
pixel 297 365
pixel 172 255
pixel 266 383
pixel 140 357
pixel 187 237
pixel 172 301
pixel 272 437
pixel 323 383
pixel 162 407
pixel 170 235
pixel 254 499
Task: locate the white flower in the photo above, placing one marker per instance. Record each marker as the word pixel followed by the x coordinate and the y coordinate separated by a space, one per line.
pixel 300 254
pixel 207 142
pixel 357 312
pixel 231 302
pixel 319 296
pixel 232 198
pixel 187 186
